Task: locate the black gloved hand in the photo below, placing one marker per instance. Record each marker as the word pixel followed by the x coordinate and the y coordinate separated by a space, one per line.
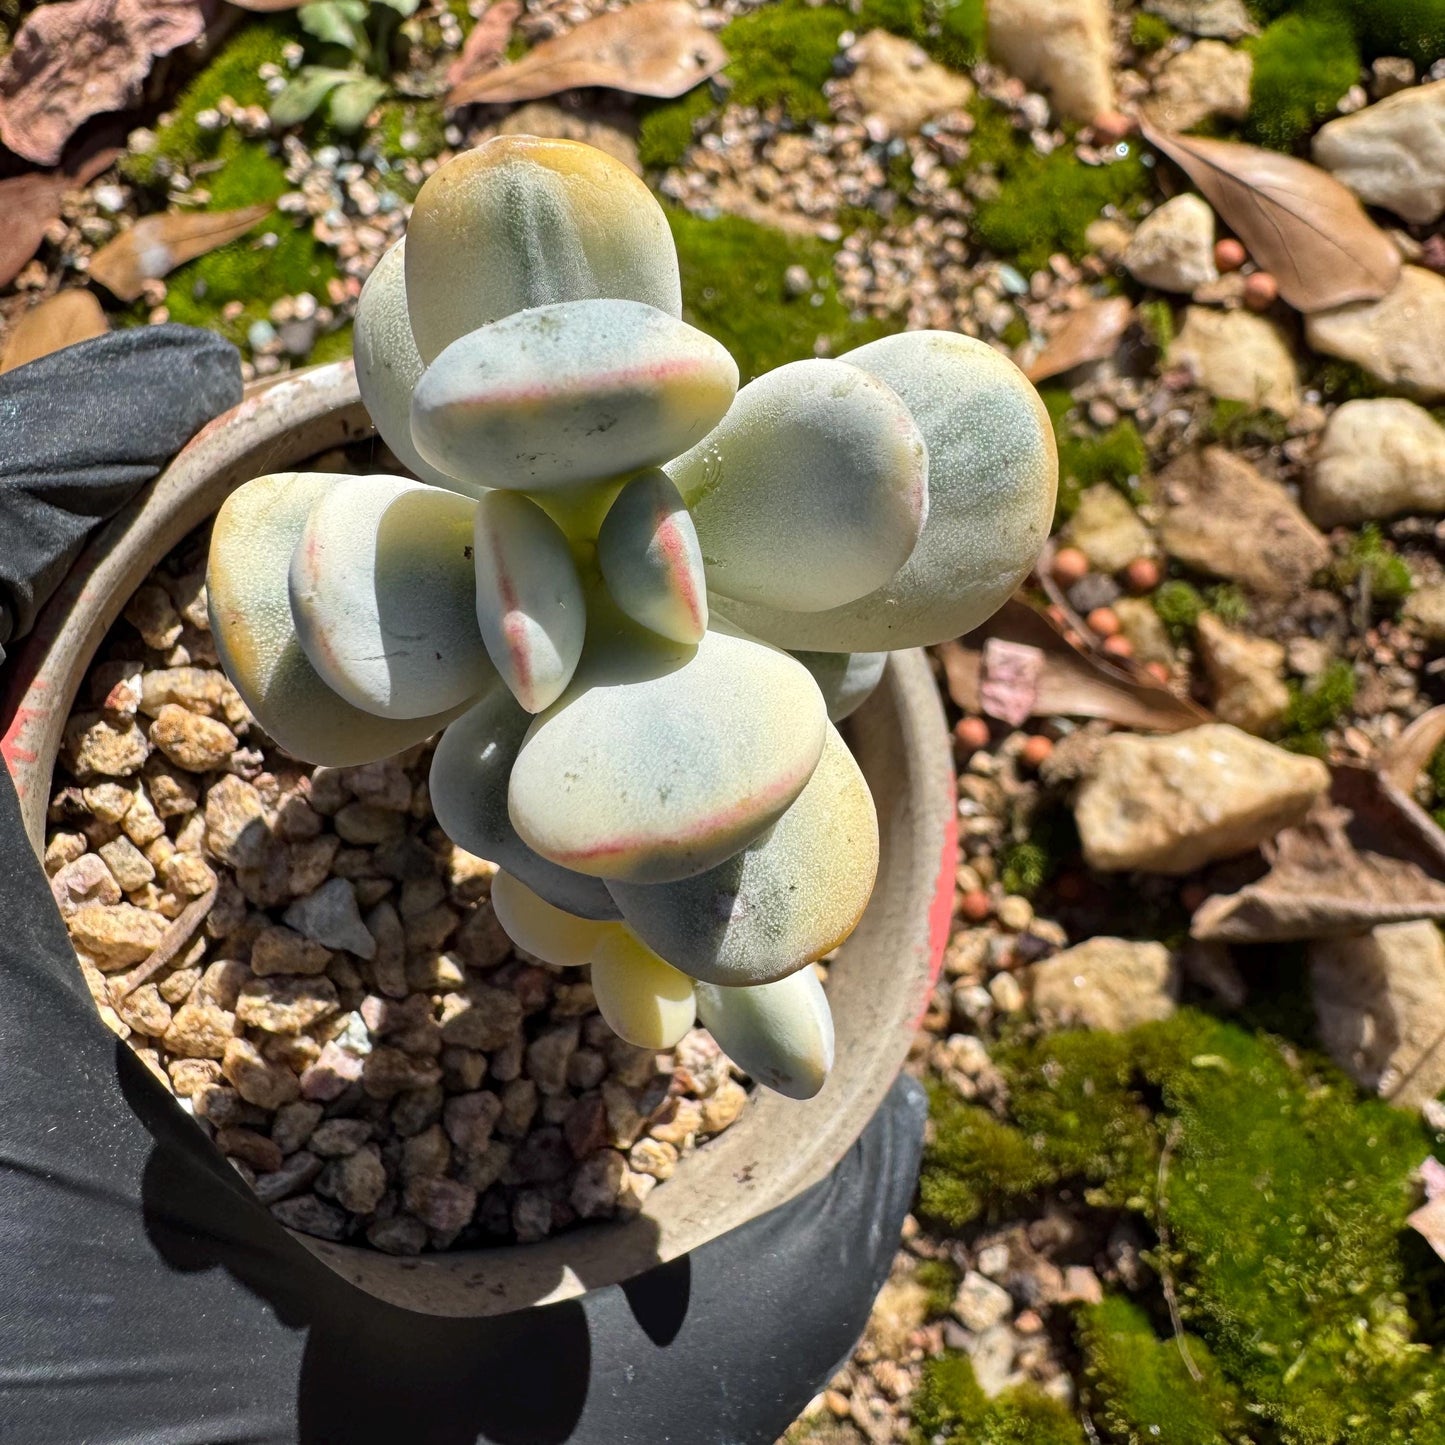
pixel 145 1295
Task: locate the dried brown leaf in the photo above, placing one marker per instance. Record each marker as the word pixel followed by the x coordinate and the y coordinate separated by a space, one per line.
pixel 1297 221
pixel 57 322
pixel 1407 757
pixel 1089 334
pixel 77 58
pixel 658 47
pixel 30 202
pixel 487 42
pixel 1368 855
pixel 1070 683
pixel 156 245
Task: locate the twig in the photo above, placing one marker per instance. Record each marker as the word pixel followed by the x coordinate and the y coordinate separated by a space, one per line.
pixel 173 940
pixel 1170 1140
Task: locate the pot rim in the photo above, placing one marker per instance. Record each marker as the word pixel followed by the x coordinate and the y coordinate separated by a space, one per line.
pixel 778 1147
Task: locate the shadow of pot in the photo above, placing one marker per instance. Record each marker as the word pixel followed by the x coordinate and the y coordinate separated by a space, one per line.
pixel 878 986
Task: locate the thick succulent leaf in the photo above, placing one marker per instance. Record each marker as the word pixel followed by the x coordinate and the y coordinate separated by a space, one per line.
pixel 530 607
pixel 811 492
pixel 787 898
pixel 781 1033
pixel 650 558
pixel 522 222
pixel 846 679
pixel 572 393
pixel 542 929
pixel 468 785
pixel 388 365
pixel 383 596
pixel 661 760
pixel 992 475
pixel 645 1001
pixel 252 542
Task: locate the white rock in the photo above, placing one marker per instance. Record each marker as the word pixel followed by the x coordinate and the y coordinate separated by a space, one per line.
pixel 895 80
pixel 1244 675
pixel 1107 529
pixel 1209 80
pixel 1226 19
pixel 1377 459
pixel 1173 249
pixel 980 1303
pixel 1060 46
pixel 1392 154
pixel 1379 1000
pixel 1424 610
pixel 1238 356
pixel 330 916
pixel 1171 804
pixel 1400 339
pixel 1105 983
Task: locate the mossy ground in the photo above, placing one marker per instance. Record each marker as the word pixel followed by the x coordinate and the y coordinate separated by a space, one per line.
pixel 1283 1200
pixel 1116 455
pixel 733 287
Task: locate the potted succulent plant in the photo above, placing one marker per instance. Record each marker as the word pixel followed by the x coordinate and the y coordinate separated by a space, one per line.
pixel 636 601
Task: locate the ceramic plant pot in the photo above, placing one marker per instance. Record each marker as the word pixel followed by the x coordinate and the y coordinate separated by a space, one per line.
pixel 878 986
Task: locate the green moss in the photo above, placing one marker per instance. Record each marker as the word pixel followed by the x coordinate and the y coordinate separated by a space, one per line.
pixel 962 31
pixel 949 1407
pixel 733 287
pixel 1342 381
pixel 1044 203
pixel 1228 603
pixel 1156 318
pixel 1284 1202
pixel 1140 1388
pixel 667 129
pixel 1316 706
pixel 1178 604
pixel 1023 868
pixel 1414 28
pixel 1303 64
pixel 939 1277
pixel 1117 456
pixel 782 54
pixel 1238 424
pixel 333 346
pixel 1374 562
pixel 409 129
pixel 1150 32
pixel 975 1163
pixel 233 72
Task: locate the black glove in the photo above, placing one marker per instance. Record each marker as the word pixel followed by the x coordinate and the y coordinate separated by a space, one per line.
pixel 145 1295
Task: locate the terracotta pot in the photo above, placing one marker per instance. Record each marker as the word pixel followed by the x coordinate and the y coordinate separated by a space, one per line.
pixel 878 987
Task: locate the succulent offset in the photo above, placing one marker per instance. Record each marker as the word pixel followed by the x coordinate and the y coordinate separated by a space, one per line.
pixel 590 588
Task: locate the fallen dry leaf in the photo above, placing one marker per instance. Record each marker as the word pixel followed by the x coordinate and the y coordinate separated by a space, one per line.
pixel 1367 855
pixel 486 43
pixel 1297 221
pixel 156 245
pixel 1089 334
pixel 77 58
pixel 1070 683
pixel 59 321
pixel 1407 757
pixel 30 202
pixel 658 47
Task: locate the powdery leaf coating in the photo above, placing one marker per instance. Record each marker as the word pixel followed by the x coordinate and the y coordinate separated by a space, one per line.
pixel 846 679
pixel 993 473
pixel 543 930
pixel 388 365
pixel 530 607
pixel 781 1033
pixel 521 222
pixel 255 534
pixel 468 786
pixel 784 900
pixel 662 760
pixel 651 561
pixel 383 596
pixel 570 393
pixel 645 1001
pixel 811 492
